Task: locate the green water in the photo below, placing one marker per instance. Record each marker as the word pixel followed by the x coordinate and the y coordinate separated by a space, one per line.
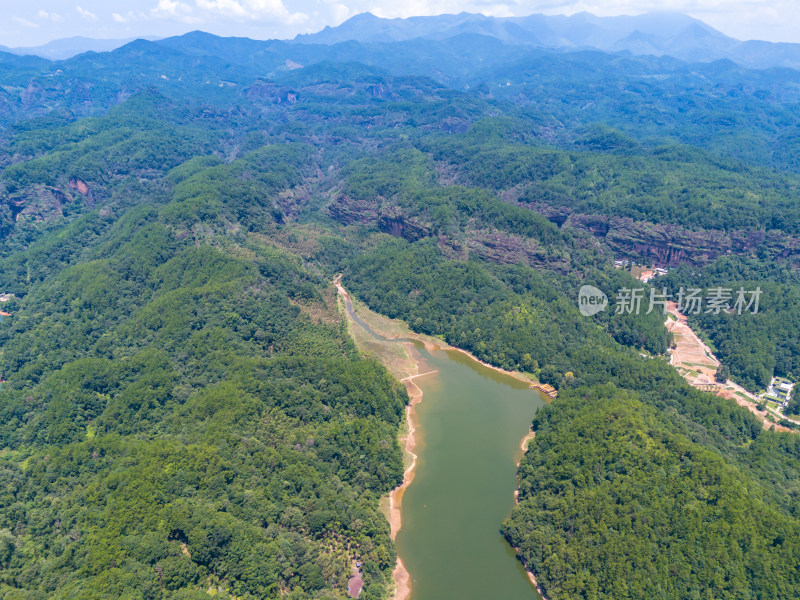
pixel 469 427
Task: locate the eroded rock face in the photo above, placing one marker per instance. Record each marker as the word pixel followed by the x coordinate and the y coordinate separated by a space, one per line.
pixel 348 210
pixel 44 203
pixel 41 203
pixel 670 245
pixel 291 201
pixel 504 248
pixel 386 217
pixel 271 93
pixel 80 185
pixel 488 244
pixel 394 223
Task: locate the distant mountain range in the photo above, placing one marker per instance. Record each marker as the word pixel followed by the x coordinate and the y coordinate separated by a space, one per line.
pixel 659 34
pixel 656 34
pixel 68 47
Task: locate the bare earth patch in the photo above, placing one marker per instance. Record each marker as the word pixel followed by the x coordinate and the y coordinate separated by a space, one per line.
pixel 402 362
pixel 697 364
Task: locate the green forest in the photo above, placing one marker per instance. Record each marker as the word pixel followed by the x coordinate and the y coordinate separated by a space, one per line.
pixel 609 483
pixel 183 412
pixel 755 346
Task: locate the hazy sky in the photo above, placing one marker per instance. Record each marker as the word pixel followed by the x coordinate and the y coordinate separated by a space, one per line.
pixel 38 21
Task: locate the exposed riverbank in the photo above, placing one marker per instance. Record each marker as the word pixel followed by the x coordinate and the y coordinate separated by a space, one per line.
pixel 409 366
pixel 523 445
pixel 695 361
pixel 402 580
pixel 523 448
pixel 400 359
pixel 515 374
pixel 396 331
pixel 408 444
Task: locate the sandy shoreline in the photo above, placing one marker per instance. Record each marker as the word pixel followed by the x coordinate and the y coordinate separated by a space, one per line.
pixel 515 374
pixel 408 442
pixel 523 446
pixel 402 580
pixel 534 582
pixel 401 577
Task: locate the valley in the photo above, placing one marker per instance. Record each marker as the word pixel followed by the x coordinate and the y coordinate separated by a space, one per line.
pixel 445 514
pixel 276 307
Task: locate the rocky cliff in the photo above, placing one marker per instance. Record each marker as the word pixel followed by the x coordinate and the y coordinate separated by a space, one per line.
pixel 670 245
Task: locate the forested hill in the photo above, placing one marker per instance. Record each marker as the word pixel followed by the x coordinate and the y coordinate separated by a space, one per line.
pixel 182 409
pixel 749 115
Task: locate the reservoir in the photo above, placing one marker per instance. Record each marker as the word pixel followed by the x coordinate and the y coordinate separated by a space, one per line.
pixel 469 426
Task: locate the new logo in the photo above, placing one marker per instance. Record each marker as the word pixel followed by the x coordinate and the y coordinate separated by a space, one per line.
pixel 591 300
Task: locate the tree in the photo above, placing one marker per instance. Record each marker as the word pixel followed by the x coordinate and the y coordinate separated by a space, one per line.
pixel 550 374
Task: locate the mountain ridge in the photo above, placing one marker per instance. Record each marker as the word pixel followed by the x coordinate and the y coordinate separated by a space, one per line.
pixel 66 48
pixel 658 33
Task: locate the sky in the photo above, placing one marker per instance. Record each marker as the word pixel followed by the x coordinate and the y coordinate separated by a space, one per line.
pixel 36 22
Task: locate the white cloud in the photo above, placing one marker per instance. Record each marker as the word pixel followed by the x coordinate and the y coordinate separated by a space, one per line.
pixel 340 13
pixel 745 19
pixel 50 16
pixel 497 10
pixel 168 7
pixel 86 14
pixel 411 8
pixel 230 8
pixel 775 20
pixel 174 9
pixel 253 9
pixel 269 7
pixel 25 22
pixel 129 17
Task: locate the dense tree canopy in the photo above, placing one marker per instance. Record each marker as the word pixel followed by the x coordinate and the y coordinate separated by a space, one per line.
pixel 182 409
